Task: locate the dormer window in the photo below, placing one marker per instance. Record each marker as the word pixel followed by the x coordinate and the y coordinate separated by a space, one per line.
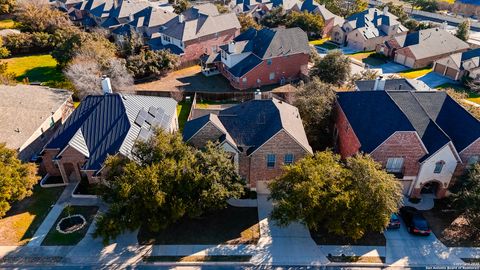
pixel 439 166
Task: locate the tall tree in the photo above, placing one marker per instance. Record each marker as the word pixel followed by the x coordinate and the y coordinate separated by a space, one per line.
pixel 463 30
pixel 311 23
pixel 16 178
pixel 314 101
pixel 181 5
pixel 246 22
pixel 167 181
pixel 396 10
pixel 274 18
pixel 467 199
pixel 367 74
pixel 7 6
pixel 152 64
pixel 346 199
pixel 334 68
pixel 40 16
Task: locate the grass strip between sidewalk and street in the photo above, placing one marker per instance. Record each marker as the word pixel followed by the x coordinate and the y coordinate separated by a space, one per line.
pixel 199 258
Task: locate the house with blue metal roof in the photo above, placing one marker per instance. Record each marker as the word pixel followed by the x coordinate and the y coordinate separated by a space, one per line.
pixel 424 138
pixel 105 125
pixel 261 135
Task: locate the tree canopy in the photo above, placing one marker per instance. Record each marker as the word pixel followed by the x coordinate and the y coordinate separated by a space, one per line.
pixel 39 16
pixel 16 178
pixel 247 22
pixel 165 181
pixel 7 6
pixel 467 199
pixel 311 23
pixel 463 30
pixel 334 68
pixel 181 5
pixel 346 198
pixel 151 64
pixel 314 101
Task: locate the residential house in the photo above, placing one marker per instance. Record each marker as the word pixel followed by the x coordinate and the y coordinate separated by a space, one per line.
pixel 330 19
pixel 420 137
pixel 459 65
pixel 262 57
pixel 198 30
pixel 381 83
pixel 467 7
pixel 66 5
pixel 96 10
pixel 105 125
pixel 363 31
pixel 30 115
pixel 150 20
pixel 420 49
pixel 261 135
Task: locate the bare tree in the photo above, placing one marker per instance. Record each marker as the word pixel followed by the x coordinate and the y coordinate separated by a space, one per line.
pixel 122 79
pixel 85 74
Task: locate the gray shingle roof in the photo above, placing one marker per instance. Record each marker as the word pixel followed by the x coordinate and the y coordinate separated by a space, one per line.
pixel 254 122
pixel 394 84
pixel 437 118
pixel 106 125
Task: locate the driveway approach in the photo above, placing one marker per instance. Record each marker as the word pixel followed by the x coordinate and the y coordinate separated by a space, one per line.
pixel 404 248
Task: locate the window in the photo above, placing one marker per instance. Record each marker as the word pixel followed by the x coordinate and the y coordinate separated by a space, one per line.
pixel 439 166
pixel 214 48
pixel 270 161
pixel 394 165
pixel 473 160
pixel 272 76
pixel 269 62
pixel 166 38
pixel 244 80
pixel 288 159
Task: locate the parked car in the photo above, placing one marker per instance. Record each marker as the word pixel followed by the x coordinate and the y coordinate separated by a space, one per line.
pixel 414 220
pixel 394 222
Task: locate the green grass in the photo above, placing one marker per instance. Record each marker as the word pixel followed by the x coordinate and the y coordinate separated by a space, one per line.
pixel 361 55
pixel 25 216
pixel 35 68
pixel 54 238
pixel 7 24
pixel 414 73
pixel 472 96
pixel 183 110
pixel 198 258
pixel 318 41
pixel 232 225
pixel 476 100
pixel 206 104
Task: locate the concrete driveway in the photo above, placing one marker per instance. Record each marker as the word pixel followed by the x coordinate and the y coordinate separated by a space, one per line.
pixel 433 79
pixel 391 67
pixel 404 248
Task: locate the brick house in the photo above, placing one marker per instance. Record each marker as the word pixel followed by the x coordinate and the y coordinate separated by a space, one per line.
pixel 420 49
pixel 262 57
pixel 198 30
pixel 418 136
pixel 104 125
pixel 459 65
pixel 364 30
pixel 261 135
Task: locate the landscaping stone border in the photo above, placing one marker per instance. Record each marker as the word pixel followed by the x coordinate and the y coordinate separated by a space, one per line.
pixel 82 196
pixel 78 229
pixel 43 185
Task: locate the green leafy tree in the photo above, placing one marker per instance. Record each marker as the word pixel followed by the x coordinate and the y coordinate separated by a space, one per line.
pixel 315 101
pixel 180 6
pixel 346 198
pixel 467 199
pixel 367 74
pixel 463 31
pixel 7 6
pixel 16 178
pixel 167 181
pixel 415 25
pixel 334 68
pixel 6 78
pixel 396 10
pixel 40 16
pixel 425 5
pixel 311 23
pixel 222 8
pixel 274 18
pixel 247 22
pixel 152 64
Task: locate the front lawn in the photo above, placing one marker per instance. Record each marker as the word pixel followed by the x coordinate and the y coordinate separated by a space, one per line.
pixel 318 41
pixel 25 216
pixel 415 73
pixel 7 24
pixel 37 68
pixel 232 225
pixel 361 55
pixel 449 226
pixel 55 238
pixel 329 46
pixel 323 237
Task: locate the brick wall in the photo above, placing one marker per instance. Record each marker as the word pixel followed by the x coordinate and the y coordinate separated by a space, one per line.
pixel 280 145
pixel 47 162
pixel 287 67
pixel 404 144
pixel 347 143
pixel 465 155
pixel 208 133
pixel 70 162
pixel 197 47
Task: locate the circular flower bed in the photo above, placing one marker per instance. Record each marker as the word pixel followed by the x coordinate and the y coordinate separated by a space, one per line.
pixel 71 224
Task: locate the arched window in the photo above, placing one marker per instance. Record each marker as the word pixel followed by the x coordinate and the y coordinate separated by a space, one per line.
pixel 439 166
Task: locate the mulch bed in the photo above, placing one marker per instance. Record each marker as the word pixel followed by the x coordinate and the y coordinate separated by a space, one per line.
pixel 53 180
pixel 71 224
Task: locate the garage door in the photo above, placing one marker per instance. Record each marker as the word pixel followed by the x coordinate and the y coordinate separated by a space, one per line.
pixel 400 59
pixel 409 62
pixel 439 69
pixel 451 73
pixel 262 187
